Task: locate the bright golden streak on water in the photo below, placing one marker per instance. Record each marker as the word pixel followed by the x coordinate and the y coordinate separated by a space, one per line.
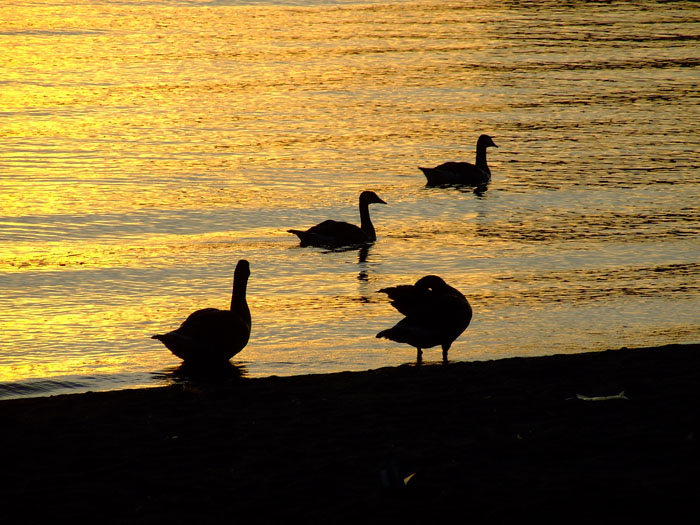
pixel 98 322
pixel 131 252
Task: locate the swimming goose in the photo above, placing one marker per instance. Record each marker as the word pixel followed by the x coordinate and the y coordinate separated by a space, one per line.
pixel 211 335
pixel 335 233
pixel 436 314
pixel 463 172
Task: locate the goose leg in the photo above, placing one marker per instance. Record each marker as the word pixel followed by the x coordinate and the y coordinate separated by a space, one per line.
pixel 419 356
pixel 444 355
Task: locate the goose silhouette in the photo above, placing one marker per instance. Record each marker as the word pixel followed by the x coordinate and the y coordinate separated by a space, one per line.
pixel 477 174
pixel 210 335
pixel 435 314
pixel 335 233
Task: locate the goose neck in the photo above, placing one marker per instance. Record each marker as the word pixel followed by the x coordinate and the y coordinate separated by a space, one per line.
pixel 481 159
pixel 365 222
pixel 238 295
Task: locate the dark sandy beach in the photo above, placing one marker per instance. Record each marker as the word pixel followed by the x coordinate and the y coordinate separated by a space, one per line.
pixel 492 442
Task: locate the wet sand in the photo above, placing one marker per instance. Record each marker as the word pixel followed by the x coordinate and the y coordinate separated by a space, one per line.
pixel 484 442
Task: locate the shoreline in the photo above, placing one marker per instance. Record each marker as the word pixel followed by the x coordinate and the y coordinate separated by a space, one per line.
pixel 487 439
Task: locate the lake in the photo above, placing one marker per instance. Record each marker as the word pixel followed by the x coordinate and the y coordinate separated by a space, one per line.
pixel 146 147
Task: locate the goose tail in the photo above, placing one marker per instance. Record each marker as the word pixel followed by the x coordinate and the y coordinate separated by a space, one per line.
pixel 384 334
pixel 303 236
pixel 434 177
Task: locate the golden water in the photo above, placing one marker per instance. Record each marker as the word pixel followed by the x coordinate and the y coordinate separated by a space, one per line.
pixel 146 146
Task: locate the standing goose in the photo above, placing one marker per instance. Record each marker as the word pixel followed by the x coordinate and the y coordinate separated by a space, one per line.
pixel 463 172
pixel 436 314
pixel 211 335
pixel 334 233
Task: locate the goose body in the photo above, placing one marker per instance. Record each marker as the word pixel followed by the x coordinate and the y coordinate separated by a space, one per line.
pixel 465 173
pixel 211 335
pixel 336 233
pixel 435 314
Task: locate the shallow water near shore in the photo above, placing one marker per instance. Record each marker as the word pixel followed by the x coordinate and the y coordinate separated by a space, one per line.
pixel 145 148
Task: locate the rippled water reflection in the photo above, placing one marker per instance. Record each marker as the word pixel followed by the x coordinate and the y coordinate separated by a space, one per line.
pixel 145 147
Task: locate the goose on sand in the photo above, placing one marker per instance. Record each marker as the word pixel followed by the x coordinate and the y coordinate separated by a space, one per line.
pixel 463 172
pixel 436 314
pixel 334 233
pixel 211 336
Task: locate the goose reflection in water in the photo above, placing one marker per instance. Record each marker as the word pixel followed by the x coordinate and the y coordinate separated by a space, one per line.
pixel 362 261
pixel 436 314
pixel 202 374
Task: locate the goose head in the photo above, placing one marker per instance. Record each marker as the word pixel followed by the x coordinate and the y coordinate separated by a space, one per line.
pixel 484 142
pixel 369 197
pixel 242 271
pixel 431 282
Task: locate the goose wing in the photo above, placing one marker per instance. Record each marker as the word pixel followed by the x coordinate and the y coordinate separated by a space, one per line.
pixel 456 167
pixel 456 173
pixel 333 228
pixel 466 171
pixel 208 334
pixel 411 300
pixel 331 233
pixel 205 322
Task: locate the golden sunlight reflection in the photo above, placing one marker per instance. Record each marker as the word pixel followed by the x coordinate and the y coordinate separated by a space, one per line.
pixel 52 256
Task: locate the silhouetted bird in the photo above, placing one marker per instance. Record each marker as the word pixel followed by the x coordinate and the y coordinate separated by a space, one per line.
pixel 436 314
pixel 463 172
pixel 211 336
pixel 334 233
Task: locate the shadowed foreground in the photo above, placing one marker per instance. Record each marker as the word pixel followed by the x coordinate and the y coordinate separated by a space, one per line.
pixel 487 441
